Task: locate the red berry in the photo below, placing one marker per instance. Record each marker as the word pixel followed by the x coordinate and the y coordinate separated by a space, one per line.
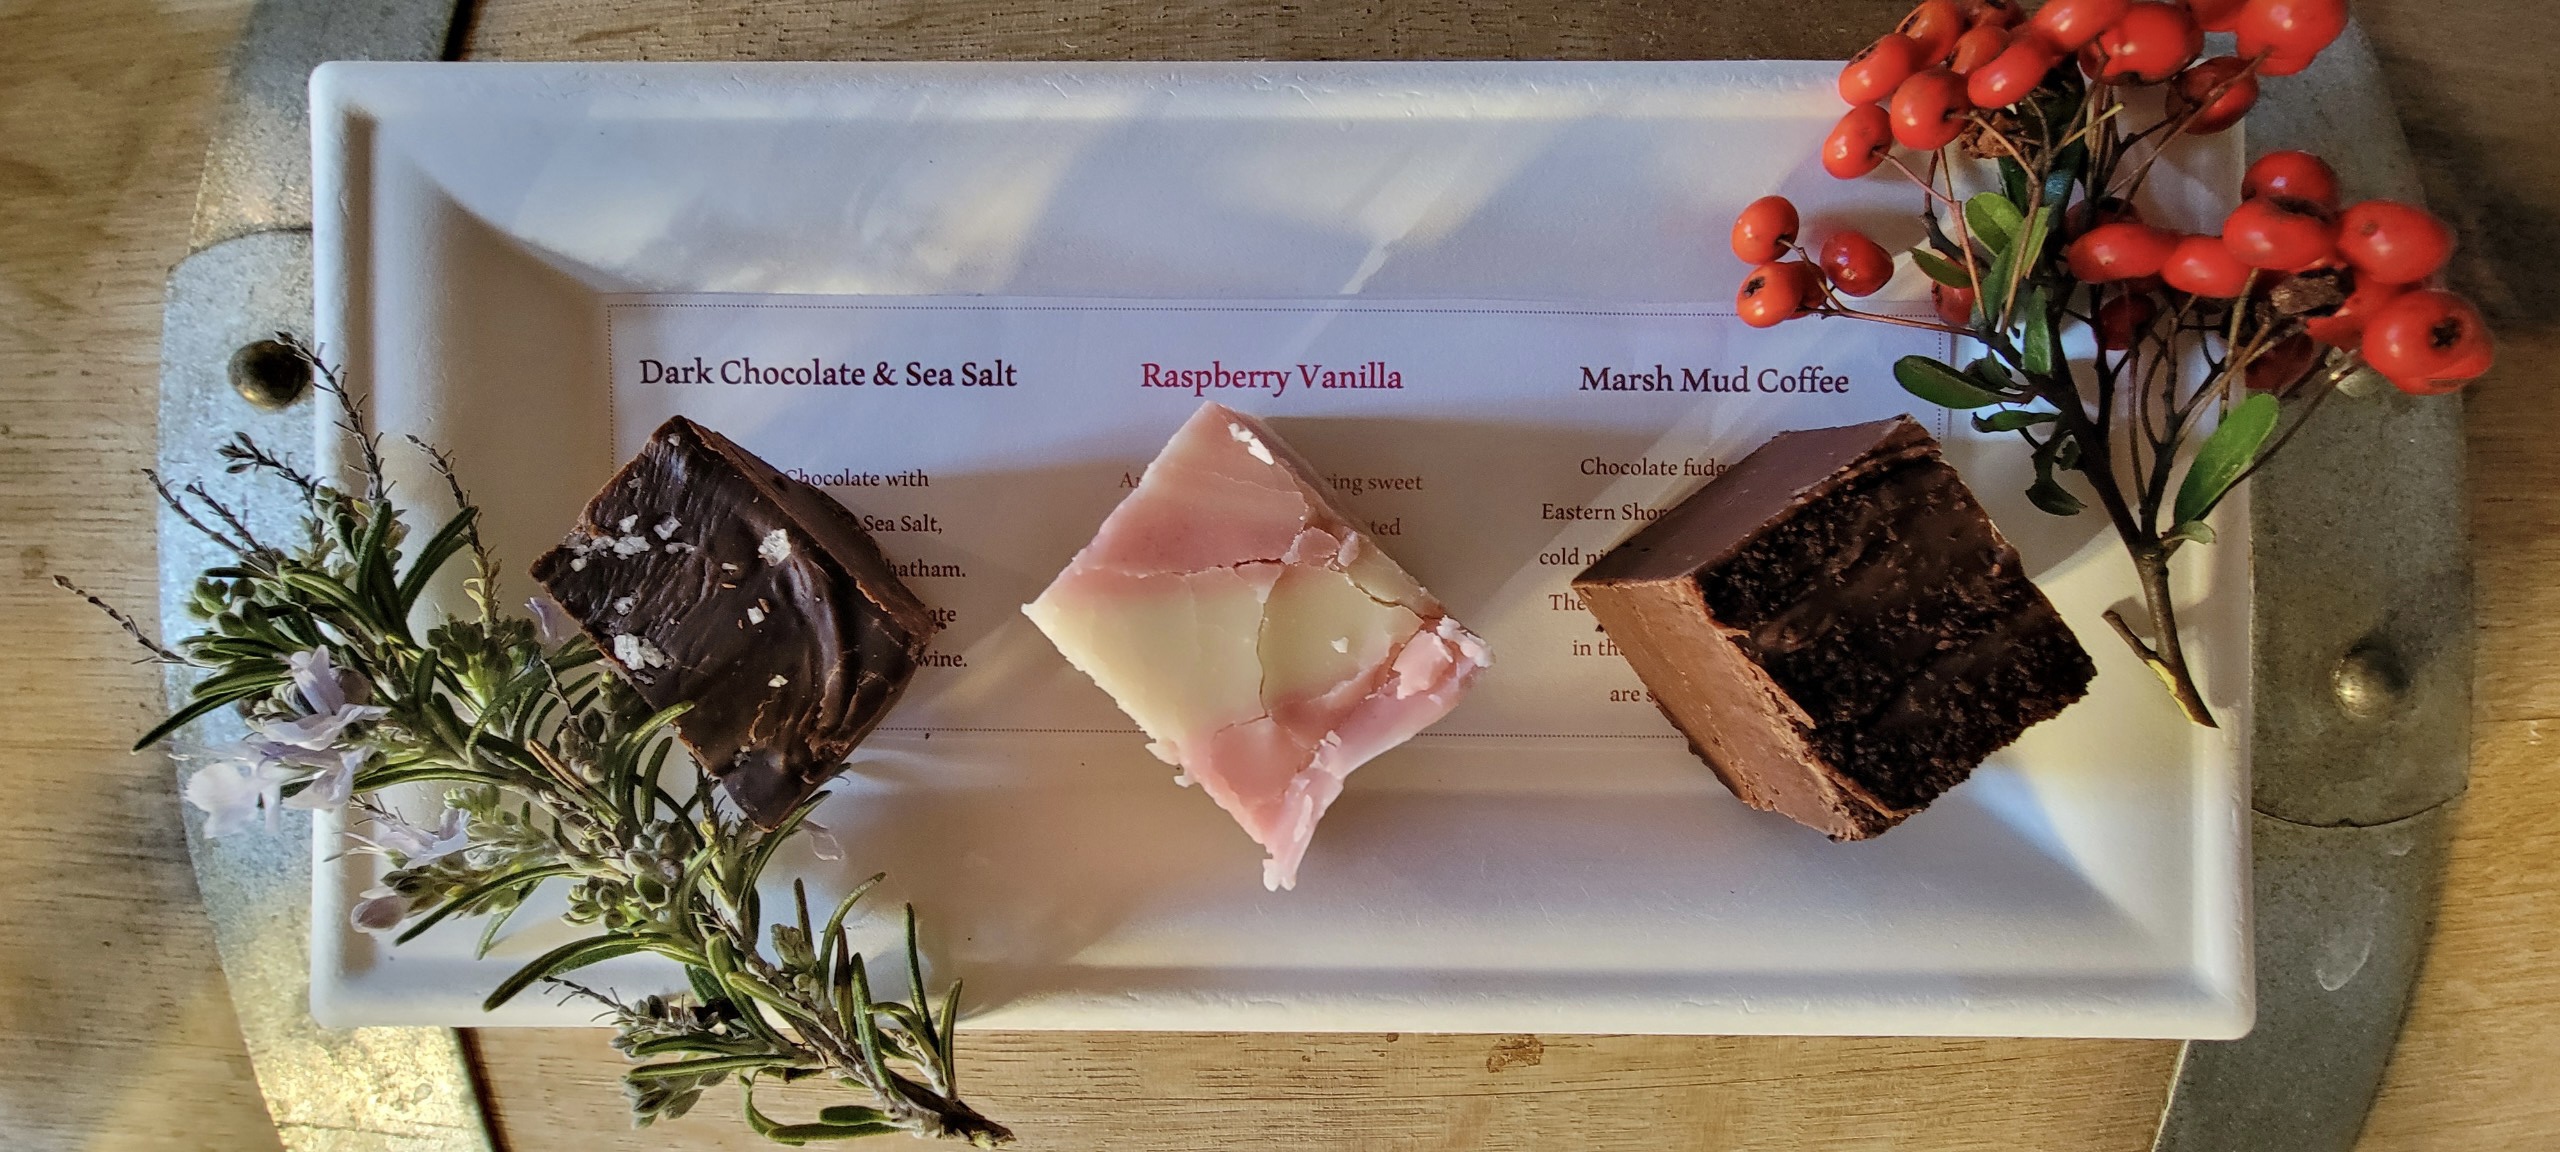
pixel 1934 26
pixel 1817 288
pixel 1976 48
pixel 2204 266
pixel 2290 32
pixel 2193 91
pixel 2392 242
pixel 2065 25
pixel 2148 45
pixel 1858 142
pixel 1774 293
pixel 2281 366
pixel 1928 110
pixel 2282 64
pixel 2121 319
pixel 2428 342
pixel 2087 214
pixel 1991 13
pixel 2299 175
pixel 1872 75
pixel 2280 233
pixel 2216 15
pixel 1954 305
pixel 1856 265
pixel 2344 328
pixel 1764 230
pixel 2011 75
pixel 2119 251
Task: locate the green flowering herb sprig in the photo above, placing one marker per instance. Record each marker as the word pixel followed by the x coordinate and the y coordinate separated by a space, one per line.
pixel 553 769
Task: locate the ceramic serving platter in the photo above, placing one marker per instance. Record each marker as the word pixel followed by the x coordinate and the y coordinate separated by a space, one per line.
pixel 504 251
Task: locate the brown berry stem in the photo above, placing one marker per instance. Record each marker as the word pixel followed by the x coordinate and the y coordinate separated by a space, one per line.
pixel 2136 522
pixel 2167 658
pixel 2165 655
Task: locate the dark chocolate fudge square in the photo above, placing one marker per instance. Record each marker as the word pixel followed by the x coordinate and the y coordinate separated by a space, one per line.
pixel 1837 627
pixel 709 577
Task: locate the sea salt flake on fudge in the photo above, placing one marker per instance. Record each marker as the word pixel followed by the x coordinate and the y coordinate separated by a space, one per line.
pixel 1265 644
pixel 767 608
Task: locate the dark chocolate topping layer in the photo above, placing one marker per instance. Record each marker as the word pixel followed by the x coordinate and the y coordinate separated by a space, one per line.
pixel 710 578
pixel 1767 486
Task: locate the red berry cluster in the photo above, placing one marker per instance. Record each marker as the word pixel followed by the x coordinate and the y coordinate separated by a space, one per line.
pixel 1780 289
pixel 1951 63
pixel 2289 224
pixel 1917 86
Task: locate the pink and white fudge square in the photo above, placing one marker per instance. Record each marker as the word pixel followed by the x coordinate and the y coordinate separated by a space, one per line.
pixel 1264 643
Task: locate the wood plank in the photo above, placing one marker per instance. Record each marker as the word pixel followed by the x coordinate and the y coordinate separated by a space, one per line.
pixel 1482 1093
pixel 2478 1066
pixel 1172 30
pixel 116 1022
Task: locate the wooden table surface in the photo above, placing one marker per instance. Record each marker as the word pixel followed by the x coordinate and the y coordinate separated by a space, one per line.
pixel 114 1028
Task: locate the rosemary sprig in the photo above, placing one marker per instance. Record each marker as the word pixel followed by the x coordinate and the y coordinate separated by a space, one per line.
pixel 554 769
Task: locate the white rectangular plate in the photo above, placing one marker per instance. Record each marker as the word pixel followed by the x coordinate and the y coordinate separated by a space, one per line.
pixel 481 227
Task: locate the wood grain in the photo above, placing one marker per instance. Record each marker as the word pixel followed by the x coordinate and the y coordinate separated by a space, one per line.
pixel 115 1025
pixel 2479 1059
pixel 111 1010
pixel 1471 1093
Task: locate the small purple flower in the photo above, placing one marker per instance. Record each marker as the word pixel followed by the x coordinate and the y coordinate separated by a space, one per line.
pixel 332 785
pixel 228 794
pixel 248 779
pixel 414 845
pixel 335 698
pixel 323 687
pixel 381 910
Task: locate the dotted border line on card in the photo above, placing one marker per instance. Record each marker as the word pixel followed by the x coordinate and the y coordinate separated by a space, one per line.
pixel 963 304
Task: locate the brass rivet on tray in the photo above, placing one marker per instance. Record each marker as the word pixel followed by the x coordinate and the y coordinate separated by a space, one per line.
pixel 269 374
pixel 2368 681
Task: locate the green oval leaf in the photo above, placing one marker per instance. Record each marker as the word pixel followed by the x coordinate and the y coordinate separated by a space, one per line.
pixel 1996 287
pixel 2039 229
pixel 2226 455
pixel 2010 420
pixel 1994 220
pixel 2065 171
pixel 1941 385
pixel 2050 495
pixel 2191 532
pixel 2030 246
pixel 2017 263
pixel 2039 350
pixel 2013 180
pixel 1941 269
